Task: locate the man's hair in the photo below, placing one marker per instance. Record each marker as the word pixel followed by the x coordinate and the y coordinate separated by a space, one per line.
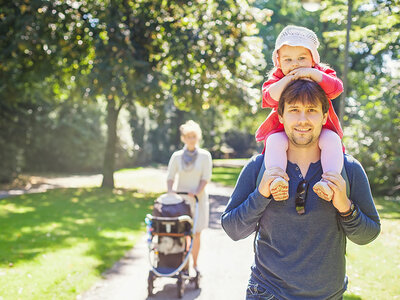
pixel 304 91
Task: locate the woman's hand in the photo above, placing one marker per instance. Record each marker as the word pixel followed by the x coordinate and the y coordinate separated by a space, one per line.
pixel 338 186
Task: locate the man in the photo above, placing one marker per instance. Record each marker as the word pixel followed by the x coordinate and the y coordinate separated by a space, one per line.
pixel 301 242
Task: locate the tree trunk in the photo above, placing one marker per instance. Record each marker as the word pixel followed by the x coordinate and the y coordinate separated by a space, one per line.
pixel 109 156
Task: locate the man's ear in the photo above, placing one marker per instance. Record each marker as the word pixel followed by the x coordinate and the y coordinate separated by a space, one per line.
pixel 281 119
pixel 325 119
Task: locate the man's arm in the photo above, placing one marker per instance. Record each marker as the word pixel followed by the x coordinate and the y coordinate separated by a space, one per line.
pixel 365 226
pixel 246 205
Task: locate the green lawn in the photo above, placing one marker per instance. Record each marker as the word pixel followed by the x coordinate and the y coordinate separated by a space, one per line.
pixel 225 176
pixel 55 245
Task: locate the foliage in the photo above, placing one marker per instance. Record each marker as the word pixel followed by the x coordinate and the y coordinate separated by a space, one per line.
pixel 374 50
pixel 12 128
pixel 374 135
pixel 56 244
pixel 243 143
pixel 64 138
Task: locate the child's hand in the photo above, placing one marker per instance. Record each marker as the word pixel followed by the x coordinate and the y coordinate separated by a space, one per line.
pixel 306 73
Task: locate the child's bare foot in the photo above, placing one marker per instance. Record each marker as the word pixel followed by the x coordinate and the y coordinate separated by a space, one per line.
pixel 322 189
pixel 279 189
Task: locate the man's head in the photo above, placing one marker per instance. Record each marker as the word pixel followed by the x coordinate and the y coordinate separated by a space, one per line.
pixel 303 110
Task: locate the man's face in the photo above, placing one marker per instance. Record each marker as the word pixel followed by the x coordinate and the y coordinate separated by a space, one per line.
pixel 303 123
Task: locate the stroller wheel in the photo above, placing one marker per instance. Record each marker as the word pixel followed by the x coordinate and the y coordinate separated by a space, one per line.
pixel 197 281
pixel 150 285
pixel 181 286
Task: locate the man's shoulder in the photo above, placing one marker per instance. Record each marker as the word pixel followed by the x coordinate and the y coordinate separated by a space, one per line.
pixel 352 165
pixel 350 161
pixel 255 162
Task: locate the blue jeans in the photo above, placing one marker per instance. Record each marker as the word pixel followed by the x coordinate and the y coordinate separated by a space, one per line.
pixel 256 292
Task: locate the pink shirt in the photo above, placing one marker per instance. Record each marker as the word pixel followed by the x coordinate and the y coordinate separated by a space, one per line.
pixel 332 86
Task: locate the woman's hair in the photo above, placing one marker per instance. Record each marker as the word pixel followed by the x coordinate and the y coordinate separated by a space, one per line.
pixel 190 126
pixel 304 91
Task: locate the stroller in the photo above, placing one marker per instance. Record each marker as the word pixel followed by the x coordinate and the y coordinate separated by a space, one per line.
pixel 170 239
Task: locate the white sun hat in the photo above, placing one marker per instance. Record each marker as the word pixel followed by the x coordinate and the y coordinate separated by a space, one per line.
pixel 297 36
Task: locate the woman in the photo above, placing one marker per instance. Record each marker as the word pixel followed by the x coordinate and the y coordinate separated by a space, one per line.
pixel 193 167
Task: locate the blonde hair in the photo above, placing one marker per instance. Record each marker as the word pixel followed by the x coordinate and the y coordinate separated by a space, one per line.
pixel 190 126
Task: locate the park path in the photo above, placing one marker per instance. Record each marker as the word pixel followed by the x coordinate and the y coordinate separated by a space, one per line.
pixel 225 264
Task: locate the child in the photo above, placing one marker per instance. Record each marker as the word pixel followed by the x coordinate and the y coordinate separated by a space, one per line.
pixel 296 57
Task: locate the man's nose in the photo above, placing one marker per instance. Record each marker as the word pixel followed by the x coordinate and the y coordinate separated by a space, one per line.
pixel 302 116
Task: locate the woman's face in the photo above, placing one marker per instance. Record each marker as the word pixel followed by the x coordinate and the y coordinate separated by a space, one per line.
pixel 190 139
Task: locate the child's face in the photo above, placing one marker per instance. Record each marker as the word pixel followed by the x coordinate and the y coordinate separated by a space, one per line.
pixel 294 57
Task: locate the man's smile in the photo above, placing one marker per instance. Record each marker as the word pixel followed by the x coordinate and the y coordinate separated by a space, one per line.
pixel 302 130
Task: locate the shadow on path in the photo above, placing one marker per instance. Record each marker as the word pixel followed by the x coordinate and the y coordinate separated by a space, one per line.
pixel 217 207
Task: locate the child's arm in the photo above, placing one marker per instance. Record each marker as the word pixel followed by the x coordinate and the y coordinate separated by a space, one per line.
pixel 272 90
pixel 326 78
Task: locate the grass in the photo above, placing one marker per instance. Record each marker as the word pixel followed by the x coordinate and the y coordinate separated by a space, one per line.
pixel 55 245
pixel 374 269
pixel 225 176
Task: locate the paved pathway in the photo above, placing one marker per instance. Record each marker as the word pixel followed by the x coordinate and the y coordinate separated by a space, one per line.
pixel 225 265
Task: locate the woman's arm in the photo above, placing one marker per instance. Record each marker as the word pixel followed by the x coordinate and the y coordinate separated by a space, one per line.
pixel 170 184
pixel 172 171
pixel 200 188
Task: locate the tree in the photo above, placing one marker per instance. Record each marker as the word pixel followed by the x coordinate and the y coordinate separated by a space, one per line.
pixel 374 51
pixel 40 49
pixel 196 53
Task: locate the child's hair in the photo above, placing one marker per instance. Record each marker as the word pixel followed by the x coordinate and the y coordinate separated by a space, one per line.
pixel 304 91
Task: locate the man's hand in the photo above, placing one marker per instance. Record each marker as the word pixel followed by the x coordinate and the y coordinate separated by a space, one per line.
pixel 306 73
pixel 270 175
pixel 338 185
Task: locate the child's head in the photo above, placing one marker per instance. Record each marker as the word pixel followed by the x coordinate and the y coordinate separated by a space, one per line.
pixel 295 47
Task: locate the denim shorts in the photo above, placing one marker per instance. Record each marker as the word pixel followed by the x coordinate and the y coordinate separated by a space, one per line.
pixel 256 292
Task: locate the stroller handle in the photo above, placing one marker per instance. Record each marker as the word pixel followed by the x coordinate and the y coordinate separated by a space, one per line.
pixel 186 193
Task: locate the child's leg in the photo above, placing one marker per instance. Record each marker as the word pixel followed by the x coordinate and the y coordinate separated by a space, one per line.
pixel 331 161
pixel 331 151
pixel 276 147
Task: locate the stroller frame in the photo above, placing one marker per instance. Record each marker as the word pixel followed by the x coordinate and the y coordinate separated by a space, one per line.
pixel 178 273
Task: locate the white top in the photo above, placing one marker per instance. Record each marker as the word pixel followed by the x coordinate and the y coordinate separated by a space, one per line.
pixel 188 180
